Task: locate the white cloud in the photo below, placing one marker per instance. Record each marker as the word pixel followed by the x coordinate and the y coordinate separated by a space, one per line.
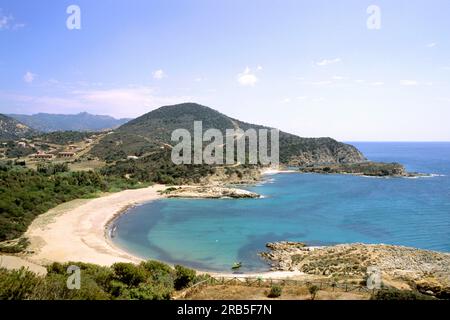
pixel 259 68
pixel 159 74
pixel 409 83
pixel 120 102
pixel 321 83
pixel 7 22
pixel 29 77
pixel 377 83
pixel 247 78
pixel 326 62
pixel 286 100
pixel 200 79
pixel 431 45
pixel 135 99
pixel 339 78
pixel 360 81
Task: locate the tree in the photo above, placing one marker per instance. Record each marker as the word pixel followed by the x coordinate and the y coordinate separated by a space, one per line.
pixel 184 277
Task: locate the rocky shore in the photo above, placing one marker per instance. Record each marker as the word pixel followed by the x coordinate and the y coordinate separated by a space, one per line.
pixel 368 168
pixel 422 270
pixel 208 192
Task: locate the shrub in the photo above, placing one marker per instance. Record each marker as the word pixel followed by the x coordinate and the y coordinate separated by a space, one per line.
pixel 313 289
pixel 129 273
pixel 275 291
pixel 118 289
pixel 160 273
pixel 17 284
pixel 146 291
pixel 184 277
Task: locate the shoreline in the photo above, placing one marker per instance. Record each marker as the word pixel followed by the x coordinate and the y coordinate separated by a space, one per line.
pixel 78 231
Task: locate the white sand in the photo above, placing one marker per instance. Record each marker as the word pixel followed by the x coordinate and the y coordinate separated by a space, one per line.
pixel 77 231
pixel 12 262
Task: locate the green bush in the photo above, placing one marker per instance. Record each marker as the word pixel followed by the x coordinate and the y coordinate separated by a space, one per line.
pixel 150 280
pixel 275 291
pixel 184 277
pixel 129 274
pixel 146 291
pixel 17 284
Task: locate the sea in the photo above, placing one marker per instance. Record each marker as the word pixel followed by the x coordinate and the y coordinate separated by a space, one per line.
pixel 316 209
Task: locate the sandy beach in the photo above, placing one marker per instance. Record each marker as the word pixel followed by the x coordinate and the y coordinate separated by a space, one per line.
pixel 76 231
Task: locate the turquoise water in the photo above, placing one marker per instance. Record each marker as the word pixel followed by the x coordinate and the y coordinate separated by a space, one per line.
pixel 316 209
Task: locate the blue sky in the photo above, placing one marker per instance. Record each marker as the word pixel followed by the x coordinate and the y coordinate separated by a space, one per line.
pixel 312 68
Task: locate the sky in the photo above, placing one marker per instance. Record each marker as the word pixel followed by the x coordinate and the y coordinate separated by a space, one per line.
pixel 354 70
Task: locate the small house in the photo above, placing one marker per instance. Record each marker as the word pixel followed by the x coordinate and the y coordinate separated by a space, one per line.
pixel 66 154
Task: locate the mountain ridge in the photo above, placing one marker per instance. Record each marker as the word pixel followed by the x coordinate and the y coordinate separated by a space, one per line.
pixel 83 121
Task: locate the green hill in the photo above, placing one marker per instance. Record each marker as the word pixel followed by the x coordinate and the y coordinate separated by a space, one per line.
pixel 11 129
pixel 153 130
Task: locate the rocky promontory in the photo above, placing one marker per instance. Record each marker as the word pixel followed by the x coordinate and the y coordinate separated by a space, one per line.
pixel 208 192
pixel 425 271
pixel 367 168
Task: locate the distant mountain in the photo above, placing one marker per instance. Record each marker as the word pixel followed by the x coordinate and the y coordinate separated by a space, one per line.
pixel 11 129
pixel 153 130
pixel 46 122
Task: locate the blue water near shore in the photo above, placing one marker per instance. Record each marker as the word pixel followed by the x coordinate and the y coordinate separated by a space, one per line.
pixel 316 209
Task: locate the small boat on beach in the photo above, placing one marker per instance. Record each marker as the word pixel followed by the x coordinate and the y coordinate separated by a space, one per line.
pixel 236 266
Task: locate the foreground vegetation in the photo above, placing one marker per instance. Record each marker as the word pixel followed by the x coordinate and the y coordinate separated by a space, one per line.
pixel 153 280
pixel 150 280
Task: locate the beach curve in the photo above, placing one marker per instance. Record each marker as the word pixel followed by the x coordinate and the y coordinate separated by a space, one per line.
pixel 77 231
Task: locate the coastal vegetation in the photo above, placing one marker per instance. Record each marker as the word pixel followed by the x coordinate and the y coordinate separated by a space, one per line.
pixel 150 280
pixel 26 193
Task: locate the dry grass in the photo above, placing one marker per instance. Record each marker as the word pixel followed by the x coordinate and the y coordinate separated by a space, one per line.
pixel 244 292
pixel 86 165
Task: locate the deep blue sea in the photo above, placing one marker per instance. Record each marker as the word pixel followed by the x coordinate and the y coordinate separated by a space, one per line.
pixel 311 208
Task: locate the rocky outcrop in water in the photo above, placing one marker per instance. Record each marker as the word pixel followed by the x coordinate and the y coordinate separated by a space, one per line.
pixel 208 192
